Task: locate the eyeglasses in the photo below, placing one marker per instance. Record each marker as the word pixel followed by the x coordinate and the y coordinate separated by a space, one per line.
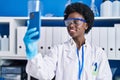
pixel 75 21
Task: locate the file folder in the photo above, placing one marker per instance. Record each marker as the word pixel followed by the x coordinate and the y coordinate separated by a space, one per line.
pixel 48 39
pixel 103 39
pixel 95 36
pixel 57 35
pixel 65 35
pixel 41 43
pixel 111 42
pixel 21 30
pixel 117 44
pixel 88 36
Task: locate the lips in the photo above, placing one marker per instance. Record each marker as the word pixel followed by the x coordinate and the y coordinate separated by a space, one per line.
pixel 72 31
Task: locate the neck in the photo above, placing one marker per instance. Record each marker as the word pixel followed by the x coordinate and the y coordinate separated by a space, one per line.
pixel 79 41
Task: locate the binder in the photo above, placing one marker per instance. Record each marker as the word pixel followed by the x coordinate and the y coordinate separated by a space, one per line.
pixel 48 39
pixel 21 30
pixel 111 42
pixel 103 39
pixel 117 44
pixel 41 43
pixel 57 35
pixel 95 36
pixel 88 36
pixel 65 35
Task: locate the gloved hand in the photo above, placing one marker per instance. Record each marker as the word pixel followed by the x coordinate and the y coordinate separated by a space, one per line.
pixel 31 44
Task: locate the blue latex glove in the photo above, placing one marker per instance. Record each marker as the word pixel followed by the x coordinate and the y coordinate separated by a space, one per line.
pixel 31 44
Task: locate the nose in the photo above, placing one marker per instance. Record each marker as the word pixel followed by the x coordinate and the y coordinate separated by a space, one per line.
pixel 71 25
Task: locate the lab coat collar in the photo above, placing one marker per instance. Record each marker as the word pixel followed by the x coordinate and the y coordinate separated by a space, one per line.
pixel 73 44
pixel 72 51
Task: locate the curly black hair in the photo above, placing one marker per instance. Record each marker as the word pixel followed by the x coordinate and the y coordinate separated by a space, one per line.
pixel 83 10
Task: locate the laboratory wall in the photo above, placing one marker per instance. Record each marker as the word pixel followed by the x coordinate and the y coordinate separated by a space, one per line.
pixel 48 7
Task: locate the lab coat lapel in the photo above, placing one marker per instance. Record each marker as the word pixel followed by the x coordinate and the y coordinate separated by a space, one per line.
pixel 72 50
pixel 70 62
pixel 72 55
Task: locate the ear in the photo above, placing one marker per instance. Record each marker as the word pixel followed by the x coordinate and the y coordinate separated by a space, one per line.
pixel 86 26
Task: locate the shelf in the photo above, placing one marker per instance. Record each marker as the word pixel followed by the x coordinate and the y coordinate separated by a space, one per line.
pixel 106 21
pixel 61 18
pixel 96 18
pixel 13 57
pixel 19 22
pixel 107 18
pixel 99 21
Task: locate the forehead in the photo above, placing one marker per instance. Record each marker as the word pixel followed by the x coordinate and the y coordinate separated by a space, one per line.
pixel 75 15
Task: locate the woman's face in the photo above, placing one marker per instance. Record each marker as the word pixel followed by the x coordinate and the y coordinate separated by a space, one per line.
pixel 76 25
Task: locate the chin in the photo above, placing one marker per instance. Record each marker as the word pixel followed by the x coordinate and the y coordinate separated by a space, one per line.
pixel 73 36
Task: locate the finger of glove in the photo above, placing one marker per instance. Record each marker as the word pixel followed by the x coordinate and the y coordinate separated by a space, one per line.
pixel 33 35
pixel 29 31
pixel 27 37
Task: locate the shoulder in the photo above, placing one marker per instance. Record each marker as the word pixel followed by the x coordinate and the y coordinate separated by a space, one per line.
pixel 96 51
pixel 95 48
pixel 60 47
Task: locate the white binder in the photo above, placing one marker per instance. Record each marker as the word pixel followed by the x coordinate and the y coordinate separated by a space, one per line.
pixel 95 36
pixel 48 39
pixel 65 35
pixel 111 42
pixel 88 36
pixel 41 43
pixel 20 44
pixel 57 35
pixel 117 30
pixel 103 38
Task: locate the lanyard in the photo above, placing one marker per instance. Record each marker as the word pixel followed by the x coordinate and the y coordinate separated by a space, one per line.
pixel 80 67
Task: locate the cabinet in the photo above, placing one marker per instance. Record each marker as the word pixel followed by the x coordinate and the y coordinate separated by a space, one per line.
pixel 11 25
pixel 55 25
pixel 7 23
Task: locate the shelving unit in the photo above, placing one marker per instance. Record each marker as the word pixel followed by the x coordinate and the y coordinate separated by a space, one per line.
pixel 17 27
pixel 11 32
pixel 16 22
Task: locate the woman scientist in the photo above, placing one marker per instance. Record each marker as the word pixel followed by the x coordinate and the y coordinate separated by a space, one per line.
pixel 75 59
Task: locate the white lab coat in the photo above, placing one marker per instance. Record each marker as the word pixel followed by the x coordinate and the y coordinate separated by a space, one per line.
pixel 62 62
